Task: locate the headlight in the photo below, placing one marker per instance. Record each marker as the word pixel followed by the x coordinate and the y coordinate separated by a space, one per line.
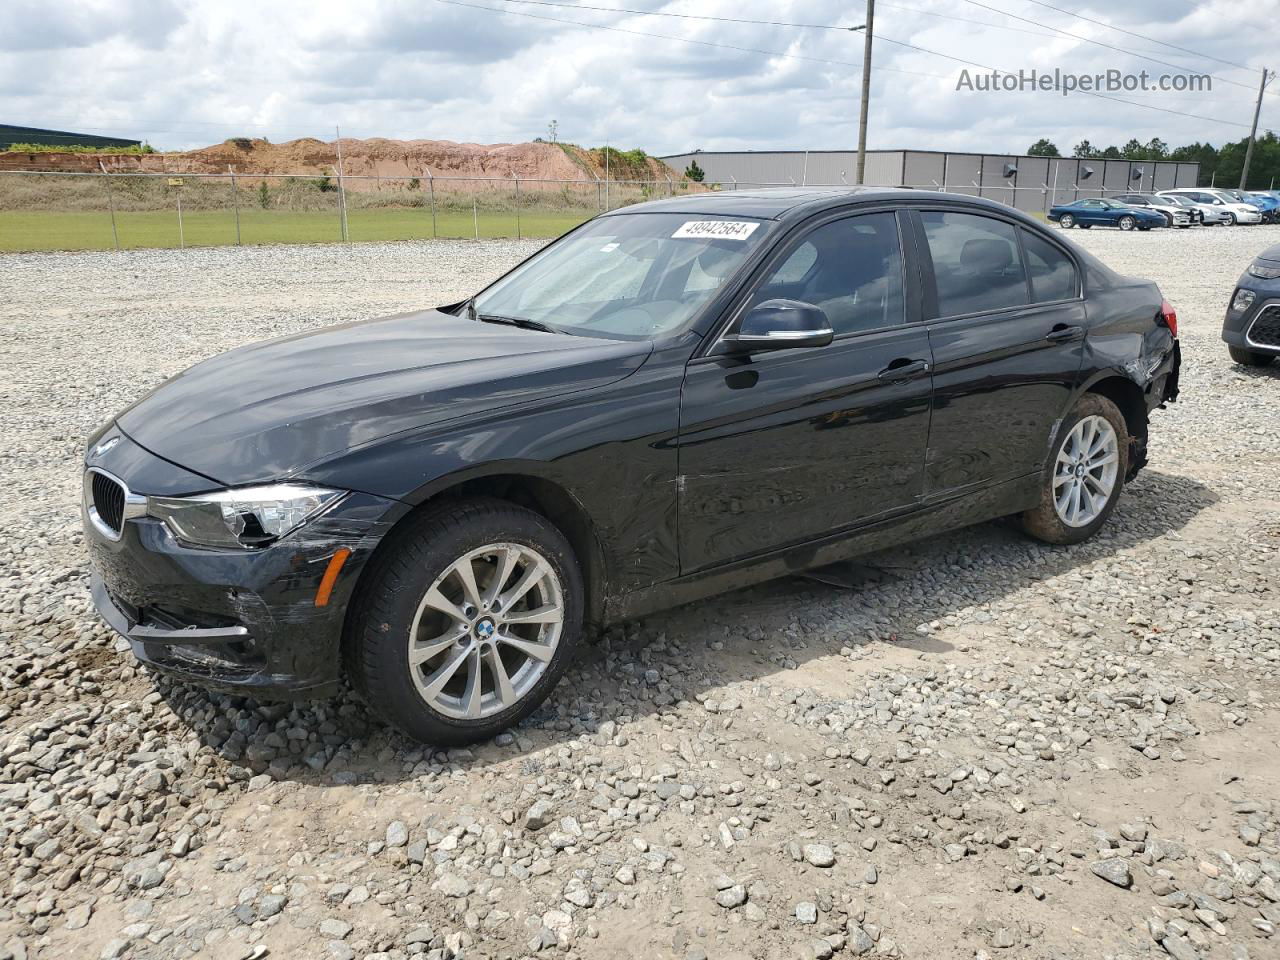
pixel 1265 271
pixel 243 517
pixel 1243 301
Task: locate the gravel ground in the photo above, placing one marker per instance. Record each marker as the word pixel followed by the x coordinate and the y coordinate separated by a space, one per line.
pixel 992 748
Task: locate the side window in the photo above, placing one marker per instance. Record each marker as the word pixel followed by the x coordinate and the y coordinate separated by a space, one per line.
pixel 851 268
pixel 975 262
pixel 1053 275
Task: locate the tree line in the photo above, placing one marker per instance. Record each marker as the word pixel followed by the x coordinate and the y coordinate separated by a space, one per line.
pixel 1220 165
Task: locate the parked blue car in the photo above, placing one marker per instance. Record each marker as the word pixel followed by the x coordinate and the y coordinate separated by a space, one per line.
pixel 1263 200
pixel 1105 213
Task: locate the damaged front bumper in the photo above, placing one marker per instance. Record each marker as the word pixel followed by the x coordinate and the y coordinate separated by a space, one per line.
pixel 244 621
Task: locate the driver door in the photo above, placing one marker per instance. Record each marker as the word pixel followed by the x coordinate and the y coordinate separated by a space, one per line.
pixel 1092 212
pixel 782 447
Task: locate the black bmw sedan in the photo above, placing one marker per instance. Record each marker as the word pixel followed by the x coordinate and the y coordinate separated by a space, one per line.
pixel 675 399
pixel 1251 327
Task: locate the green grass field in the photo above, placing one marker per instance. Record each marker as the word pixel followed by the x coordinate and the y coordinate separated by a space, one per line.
pixel 20 231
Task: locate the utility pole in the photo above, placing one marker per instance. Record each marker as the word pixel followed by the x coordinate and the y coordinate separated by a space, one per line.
pixel 342 190
pixel 1267 77
pixel 866 92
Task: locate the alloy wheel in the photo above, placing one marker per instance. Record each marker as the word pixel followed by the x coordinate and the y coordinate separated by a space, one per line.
pixel 1086 470
pixel 486 631
pixel 1127 223
pixel 1067 221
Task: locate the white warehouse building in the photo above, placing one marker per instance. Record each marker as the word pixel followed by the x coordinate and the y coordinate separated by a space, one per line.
pixel 1028 183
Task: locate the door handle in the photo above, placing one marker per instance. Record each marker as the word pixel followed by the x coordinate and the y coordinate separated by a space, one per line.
pixel 1064 334
pixel 902 370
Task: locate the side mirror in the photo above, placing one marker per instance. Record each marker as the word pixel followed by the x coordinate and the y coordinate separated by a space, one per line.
pixel 779 325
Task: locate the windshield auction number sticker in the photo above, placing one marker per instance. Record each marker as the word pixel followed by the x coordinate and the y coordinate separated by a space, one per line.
pixel 716 229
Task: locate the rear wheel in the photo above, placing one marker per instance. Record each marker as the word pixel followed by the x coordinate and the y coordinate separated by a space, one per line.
pixel 1127 222
pixel 468 620
pixel 1085 474
pixel 1249 358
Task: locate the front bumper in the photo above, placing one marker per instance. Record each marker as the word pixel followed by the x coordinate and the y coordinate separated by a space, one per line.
pixel 242 621
pixel 1255 328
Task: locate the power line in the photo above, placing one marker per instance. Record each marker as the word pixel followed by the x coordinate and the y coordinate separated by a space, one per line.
pixel 959 19
pixel 1088 93
pixel 826 26
pixel 1099 43
pixel 1140 36
pixel 701 43
pixel 773 23
pixel 684 16
pixel 795 56
pixel 823 26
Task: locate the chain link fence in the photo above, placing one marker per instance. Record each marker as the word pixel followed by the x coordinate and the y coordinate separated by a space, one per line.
pixel 93 211
pixel 103 211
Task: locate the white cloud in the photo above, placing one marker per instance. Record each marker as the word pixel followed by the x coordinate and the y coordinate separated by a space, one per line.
pixel 191 74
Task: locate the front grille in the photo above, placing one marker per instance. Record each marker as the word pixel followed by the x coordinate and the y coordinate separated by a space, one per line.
pixel 1265 331
pixel 108 500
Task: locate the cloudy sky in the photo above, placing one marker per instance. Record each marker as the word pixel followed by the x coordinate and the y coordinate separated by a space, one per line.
pixel 182 74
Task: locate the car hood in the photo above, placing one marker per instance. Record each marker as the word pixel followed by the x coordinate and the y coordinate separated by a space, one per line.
pixel 264 411
pixel 1271 253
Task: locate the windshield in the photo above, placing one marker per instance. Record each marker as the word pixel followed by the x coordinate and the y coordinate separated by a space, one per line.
pixel 629 276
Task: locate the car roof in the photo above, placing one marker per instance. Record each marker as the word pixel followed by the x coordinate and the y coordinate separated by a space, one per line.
pixel 786 203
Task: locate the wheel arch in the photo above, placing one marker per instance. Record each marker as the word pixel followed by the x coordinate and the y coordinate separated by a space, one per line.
pixel 1130 398
pixel 525 486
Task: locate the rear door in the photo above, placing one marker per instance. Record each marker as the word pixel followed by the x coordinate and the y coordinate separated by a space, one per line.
pixel 1006 328
pixel 782 447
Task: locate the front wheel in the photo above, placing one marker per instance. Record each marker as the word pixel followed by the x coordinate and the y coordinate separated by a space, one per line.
pixel 469 618
pixel 1127 223
pixel 1067 221
pixel 1231 219
pixel 1248 358
pixel 1085 475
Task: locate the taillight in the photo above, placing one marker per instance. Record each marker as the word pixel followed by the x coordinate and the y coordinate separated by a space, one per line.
pixel 1169 316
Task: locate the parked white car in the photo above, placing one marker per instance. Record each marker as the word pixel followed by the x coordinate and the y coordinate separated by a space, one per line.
pixel 1236 211
pixel 1175 213
pixel 1204 213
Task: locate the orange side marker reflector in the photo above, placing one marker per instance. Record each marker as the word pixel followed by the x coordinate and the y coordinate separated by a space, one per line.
pixel 331 576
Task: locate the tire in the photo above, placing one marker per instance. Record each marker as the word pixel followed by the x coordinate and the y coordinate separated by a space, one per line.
pixel 1168 217
pixel 395 609
pixel 1046 522
pixel 1249 358
pixel 1085 226
pixel 1126 222
pixel 1067 221
pixel 1231 219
